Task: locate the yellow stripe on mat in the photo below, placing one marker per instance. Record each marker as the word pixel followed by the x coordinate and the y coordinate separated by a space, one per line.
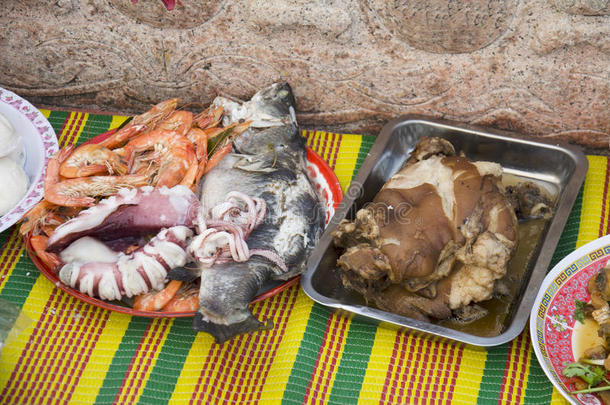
pixel 513 379
pixel 80 129
pixel 470 375
pixel 347 158
pixel 557 398
pixel 117 120
pixel 528 362
pixel 281 367
pixel 377 367
pixel 593 195
pixel 101 357
pixel 145 360
pixel 192 368
pixel 223 389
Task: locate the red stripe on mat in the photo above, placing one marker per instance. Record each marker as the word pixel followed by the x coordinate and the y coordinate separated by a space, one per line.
pixel 327 333
pixel 392 364
pixel 72 129
pixel 399 368
pixel 506 387
pixel 333 160
pixel 332 138
pixel 63 130
pixel 262 341
pixel 35 340
pixel 215 353
pixel 429 378
pixel 285 316
pixel 321 144
pixel 229 358
pixel 93 335
pixel 440 383
pixel 250 344
pixel 73 344
pixel 413 391
pixel 455 369
pixel 522 372
pixel 334 353
pixel 39 378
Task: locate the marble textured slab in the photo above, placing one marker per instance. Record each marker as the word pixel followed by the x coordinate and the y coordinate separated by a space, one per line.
pixel 540 67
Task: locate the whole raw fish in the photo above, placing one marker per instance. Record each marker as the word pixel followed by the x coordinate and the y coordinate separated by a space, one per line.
pixel 268 162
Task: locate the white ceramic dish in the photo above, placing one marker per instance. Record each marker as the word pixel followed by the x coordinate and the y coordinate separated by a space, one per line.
pixel 553 328
pixel 40 143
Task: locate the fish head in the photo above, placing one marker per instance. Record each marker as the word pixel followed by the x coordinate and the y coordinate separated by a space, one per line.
pixel 270 107
pixel 274 141
pixel 275 101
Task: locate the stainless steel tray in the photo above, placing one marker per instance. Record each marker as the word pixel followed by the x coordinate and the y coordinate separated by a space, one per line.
pixel 559 168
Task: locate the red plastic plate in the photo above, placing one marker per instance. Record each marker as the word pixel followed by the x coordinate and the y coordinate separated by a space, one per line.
pixel 323 178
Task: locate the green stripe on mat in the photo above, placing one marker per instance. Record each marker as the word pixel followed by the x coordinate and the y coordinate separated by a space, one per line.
pixel 4 239
pixel 121 360
pixel 493 373
pixel 307 355
pixel 354 362
pixel 57 119
pixel 365 146
pixel 19 284
pixel 95 125
pixel 162 381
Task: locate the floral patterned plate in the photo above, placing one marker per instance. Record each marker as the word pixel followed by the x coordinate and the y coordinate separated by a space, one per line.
pixel 40 144
pixel 557 337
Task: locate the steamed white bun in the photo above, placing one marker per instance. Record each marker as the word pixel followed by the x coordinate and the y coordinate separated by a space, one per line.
pixel 8 137
pixel 13 184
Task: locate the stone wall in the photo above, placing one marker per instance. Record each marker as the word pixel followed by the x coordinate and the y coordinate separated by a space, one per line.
pixel 540 67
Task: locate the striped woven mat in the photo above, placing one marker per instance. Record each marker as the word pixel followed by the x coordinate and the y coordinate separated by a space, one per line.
pixel 71 352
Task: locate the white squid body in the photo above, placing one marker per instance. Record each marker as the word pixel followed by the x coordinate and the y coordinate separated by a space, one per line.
pixel 97 271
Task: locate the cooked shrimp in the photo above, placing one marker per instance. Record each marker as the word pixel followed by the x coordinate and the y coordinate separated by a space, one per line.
pixel 44 217
pixel 155 300
pixel 174 155
pixel 79 192
pixel 92 159
pixel 216 157
pixel 141 123
pixel 39 244
pixel 209 117
pixel 179 121
pixel 199 138
pixel 185 300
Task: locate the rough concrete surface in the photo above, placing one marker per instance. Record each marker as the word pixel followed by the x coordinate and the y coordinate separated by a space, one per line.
pixel 539 67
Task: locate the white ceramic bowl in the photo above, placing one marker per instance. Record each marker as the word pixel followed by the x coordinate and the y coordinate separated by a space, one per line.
pixel 40 143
